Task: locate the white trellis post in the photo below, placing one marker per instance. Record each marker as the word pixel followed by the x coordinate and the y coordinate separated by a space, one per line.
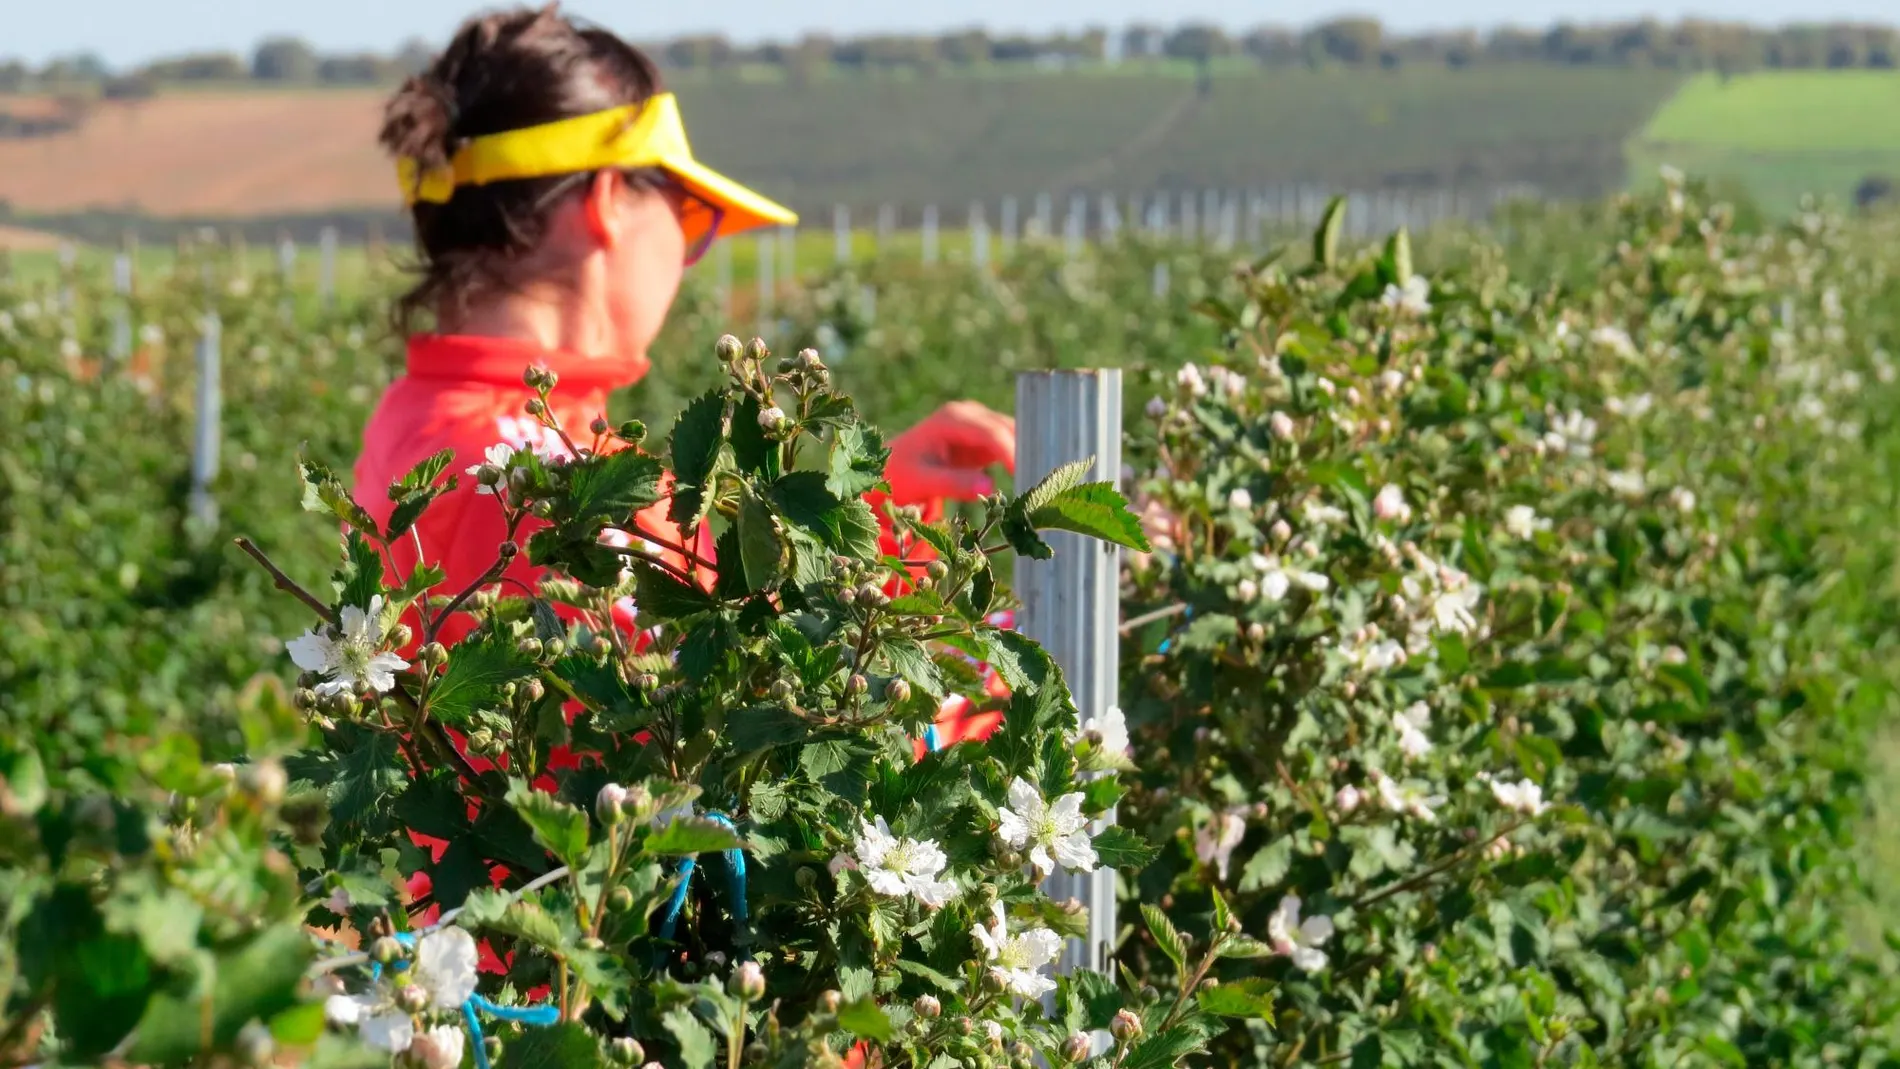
pixel 205 437
pixel 1045 209
pixel 1072 228
pixel 122 312
pixel 1009 226
pixel 767 291
pixel 930 233
pixel 841 233
pixel 788 255
pixel 886 222
pixel 326 266
pixel 979 237
pixel 1071 603
pixel 1190 228
pixel 1161 279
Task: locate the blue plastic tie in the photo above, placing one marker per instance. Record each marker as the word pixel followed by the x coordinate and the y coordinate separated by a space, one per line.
pixel 539 1016
pixel 735 884
pixel 931 741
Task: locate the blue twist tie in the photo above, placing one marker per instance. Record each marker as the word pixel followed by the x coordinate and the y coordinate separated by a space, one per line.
pixel 735 885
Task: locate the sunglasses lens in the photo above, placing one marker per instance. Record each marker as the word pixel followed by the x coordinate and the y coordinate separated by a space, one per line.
pixel 708 230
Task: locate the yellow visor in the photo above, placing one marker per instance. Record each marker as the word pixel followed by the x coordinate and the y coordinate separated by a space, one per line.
pixel 623 138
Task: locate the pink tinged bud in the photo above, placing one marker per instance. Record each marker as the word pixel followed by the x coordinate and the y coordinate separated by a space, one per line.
pixel 1348 799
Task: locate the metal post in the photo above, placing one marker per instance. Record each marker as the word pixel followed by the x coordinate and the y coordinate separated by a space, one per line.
pixel 979 237
pixel 930 233
pixel 1072 228
pixel 204 440
pixel 326 266
pixel 1009 226
pixel 122 314
pixel 788 256
pixel 1071 603
pixel 1045 206
pixel 1190 229
pixel 841 233
pixel 886 222
pixel 1161 279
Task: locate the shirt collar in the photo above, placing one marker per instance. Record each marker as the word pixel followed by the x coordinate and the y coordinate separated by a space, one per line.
pixel 500 361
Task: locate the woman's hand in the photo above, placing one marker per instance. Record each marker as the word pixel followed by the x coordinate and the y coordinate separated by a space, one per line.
pixel 944 457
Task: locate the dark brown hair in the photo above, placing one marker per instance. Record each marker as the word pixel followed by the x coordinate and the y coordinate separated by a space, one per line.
pixel 502 71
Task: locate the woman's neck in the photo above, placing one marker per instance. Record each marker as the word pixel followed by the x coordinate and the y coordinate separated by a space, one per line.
pixel 549 321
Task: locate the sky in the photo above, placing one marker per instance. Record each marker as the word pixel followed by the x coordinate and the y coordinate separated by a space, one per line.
pixel 128 32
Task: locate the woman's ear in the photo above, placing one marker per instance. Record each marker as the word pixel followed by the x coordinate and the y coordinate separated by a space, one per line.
pixel 600 209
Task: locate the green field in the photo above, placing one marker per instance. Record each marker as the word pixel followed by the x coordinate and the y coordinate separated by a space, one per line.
pixel 1779 134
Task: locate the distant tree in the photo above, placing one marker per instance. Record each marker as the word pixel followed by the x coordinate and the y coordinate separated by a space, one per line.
pixel 1142 41
pixel 964 47
pixel 1197 41
pixel 360 68
pixel 1352 41
pixel 1271 46
pixel 79 67
pixel 199 67
pixel 14 76
pixel 1874 190
pixel 284 59
pixel 701 52
pixel 414 57
pixel 129 87
pixel 1015 48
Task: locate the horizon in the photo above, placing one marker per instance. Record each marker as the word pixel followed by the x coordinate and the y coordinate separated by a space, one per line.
pixel 135 32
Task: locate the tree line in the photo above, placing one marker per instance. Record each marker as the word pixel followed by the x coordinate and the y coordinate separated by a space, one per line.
pixel 1691 44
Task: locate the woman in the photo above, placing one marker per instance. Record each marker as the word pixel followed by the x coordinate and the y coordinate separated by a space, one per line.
pixel 556 206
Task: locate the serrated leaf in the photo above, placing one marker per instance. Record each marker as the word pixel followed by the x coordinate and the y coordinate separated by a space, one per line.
pixel 609 486
pixel 761 549
pixel 697 437
pixel 1398 251
pixel 1326 238
pixel 361 576
pixel 1052 486
pixel 1096 510
pixel 689 836
pixel 695 1042
pixel 1167 936
pixel 1241 946
pixel 1250 997
pixel 557 826
pixel 562 1046
pixel 476 671
pixel 1268 866
pixel 423 475
pixel 1118 847
pixel 856 462
pixel 660 596
pixel 324 492
pixel 906 657
pixel 752 451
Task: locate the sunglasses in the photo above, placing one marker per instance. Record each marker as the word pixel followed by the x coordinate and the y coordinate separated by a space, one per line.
pixel 699 218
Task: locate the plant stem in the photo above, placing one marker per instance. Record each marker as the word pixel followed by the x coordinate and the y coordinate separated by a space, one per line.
pixel 664 543
pixel 1150 617
pixel 285 582
pixel 1414 882
pixel 658 562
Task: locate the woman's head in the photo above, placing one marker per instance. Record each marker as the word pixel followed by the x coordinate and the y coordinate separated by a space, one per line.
pixel 607 246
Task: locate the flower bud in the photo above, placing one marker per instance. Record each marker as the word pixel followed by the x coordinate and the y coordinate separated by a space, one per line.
pixel 529 647
pixel 849 595
pixel 1075 1049
pixel 856 685
pixel 265 779
pixel 783 690
pixel 756 349
pixel 1125 1026
pixel 1348 798
pixel 633 430
pixel 608 803
pixel 897 692
pixel 995 981
pixel 639 803
pixel 728 348
pixel 385 950
pixel 481 741
pixel 507 550
pixel 808 359
pixel 626 1050
pixel 433 654
pixel 533 690
pixel 1281 424
pixel 937 570
pixel 1280 531
pixel 593 942
pixel 536 406
pixel 748 982
pixel 772 418
pixel 413 998
pixel 305 699
pixel 646 682
pixel 829 1001
pixel 927 1007
pixel 531 377
pixel 600 425
pixel 255 1046
pixel 620 899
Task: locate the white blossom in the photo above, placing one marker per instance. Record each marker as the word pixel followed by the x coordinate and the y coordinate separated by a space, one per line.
pixel 1523 521
pixel 1407 798
pixel 898 867
pixel 1111 728
pixel 1626 483
pixel 445 967
pixel 770 417
pixel 1227 382
pixel 1347 798
pixel 1020 957
pixel 1390 504
pixel 1215 841
pixel 346 1010
pixel 499 455
pixel 1412 298
pixel 1634 408
pixel 1274 584
pixel 1451 609
pixel 1571 433
pixel 1683 498
pixel 1189 379
pixel 1376 655
pixel 1391 380
pixel 1297 939
pixel 348 655
pixel 1156 408
pixel 439 1048
pixel 1320 514
pixel 1412 722
pixel 1240 500
pixel 1615 339
pixel 1281 425
pixel 392 1031
pixel 1246 591
pixel 1523 796
pixel 1052 834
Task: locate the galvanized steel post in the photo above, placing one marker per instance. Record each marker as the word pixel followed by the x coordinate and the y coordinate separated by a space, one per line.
pixel 1072 603
pixel 205 436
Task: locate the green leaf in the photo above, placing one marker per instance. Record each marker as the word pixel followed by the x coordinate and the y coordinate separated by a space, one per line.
pixel 1241 946
pixel 324 492
pixel 752 451
pixel 864 1018
pixel 1123 848
pixel 1398 253
pixel 696 1043
pixel 476 671
pixel 562 1046
pixel 1326 238
pixel 1053 486
pixel 1268 866
pixel 761 549
pixel 697 437
pixel 423 475
pixel 610 486
pixel 1096 510
pixel 1250 997
pixel 907 657
pixel 856 462
pixel 361 576
pixel 256 981
pixel 559 827
pixel 1167 936
pixel 657 595
pixel 688 836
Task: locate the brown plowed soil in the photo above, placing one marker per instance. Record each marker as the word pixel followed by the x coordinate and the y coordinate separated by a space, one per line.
pixel 212 153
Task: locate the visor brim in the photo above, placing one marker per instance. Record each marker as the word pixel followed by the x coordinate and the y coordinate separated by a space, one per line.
pixel 744 209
